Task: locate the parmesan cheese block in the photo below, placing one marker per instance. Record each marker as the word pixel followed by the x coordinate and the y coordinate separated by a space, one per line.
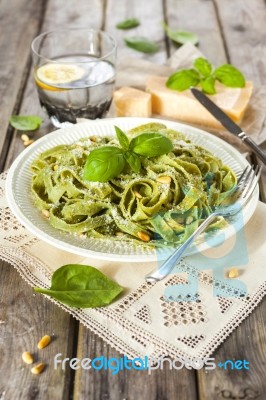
pixel 131 102
pixel 184 107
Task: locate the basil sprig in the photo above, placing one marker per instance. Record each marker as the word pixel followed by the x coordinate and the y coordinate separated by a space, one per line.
pixel 81 286
pixel 25 122
pixel 205 75
pixel 128 24
pixel 107 162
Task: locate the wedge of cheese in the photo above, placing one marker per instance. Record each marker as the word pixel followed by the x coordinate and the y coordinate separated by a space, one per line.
pixel 184 107
pixel 130 102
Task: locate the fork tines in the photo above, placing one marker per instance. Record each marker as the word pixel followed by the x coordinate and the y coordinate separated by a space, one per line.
pixel 248 180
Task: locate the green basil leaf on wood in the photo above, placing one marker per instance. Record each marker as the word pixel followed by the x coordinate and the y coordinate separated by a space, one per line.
pixel 151 144
pixel 141 44
pixel 181 37
pixel 81 286
pixel 183 80
pixel 128 24
pixel 104 164
pixel 25 122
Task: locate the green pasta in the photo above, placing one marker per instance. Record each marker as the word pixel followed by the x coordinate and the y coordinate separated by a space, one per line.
pixel 161 205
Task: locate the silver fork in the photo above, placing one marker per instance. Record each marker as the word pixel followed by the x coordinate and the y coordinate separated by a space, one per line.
pixel 245 186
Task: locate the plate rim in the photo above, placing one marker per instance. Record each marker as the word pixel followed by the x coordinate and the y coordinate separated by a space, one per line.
pixel 58 243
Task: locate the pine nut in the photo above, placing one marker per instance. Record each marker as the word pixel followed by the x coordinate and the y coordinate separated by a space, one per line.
pixel 28 142
pixel 233 273
pixel 137 194
pixel 45 213
pixel 119 234
pixel 25 137
pixel 27 357
pixel 45 340
pixel 143 236
pixel 55 167
pixel 164 179
pixel 37 369
pixel 93 138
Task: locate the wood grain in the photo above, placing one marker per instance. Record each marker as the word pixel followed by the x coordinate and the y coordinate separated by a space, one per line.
pixel 246 343
pixel 130 385
pixel 244 30
pixel 38 314
pixel 150 15
pixel 200 17
pixel 242 26
pixel 58 14
pixel 15 54
pixel 25 318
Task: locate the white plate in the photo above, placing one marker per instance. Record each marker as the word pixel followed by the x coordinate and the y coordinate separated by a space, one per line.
pixel 20 202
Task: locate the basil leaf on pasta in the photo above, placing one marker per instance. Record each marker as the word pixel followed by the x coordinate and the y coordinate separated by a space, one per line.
pixel 104 164
pixel 134 161
pixel 151 144
pixel 122 138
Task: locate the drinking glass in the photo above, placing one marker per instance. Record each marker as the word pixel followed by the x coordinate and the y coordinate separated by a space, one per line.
pixel 74 72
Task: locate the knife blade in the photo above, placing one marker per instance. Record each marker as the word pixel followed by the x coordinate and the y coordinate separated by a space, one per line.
pixel 227 122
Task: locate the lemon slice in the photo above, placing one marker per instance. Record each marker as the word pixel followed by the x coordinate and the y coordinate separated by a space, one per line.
pixel 49 75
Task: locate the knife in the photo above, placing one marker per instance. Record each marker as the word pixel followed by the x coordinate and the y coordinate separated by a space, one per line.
pixel 226 121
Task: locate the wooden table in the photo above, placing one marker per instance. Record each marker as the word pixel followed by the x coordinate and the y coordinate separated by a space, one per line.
pixel 230 31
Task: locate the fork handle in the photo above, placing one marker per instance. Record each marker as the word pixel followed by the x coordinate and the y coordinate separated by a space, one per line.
pixel 160 273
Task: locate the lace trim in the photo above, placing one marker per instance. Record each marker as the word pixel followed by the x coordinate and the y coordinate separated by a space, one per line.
pixel 141 336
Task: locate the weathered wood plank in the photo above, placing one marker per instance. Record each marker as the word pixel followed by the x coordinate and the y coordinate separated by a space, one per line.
pixel 150 16
pixel 24 319
pixel 58 14
pixel 198 16
pixel 130 385
pixel 242 23
pixel 246 343
pixel 19 23
pixel 40 315
pixel 244 29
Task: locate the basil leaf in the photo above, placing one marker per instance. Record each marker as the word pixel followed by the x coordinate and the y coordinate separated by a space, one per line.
pixel 134 161
pixel 128 23
pixel 208 85
pixel 122 138
pixel 81 286
pixel 25 122
pixel 229 76
pixel 151 144
pixel 104 164
pixel 203 66
pixel 181 37
pixel 183 79
pixel 142 44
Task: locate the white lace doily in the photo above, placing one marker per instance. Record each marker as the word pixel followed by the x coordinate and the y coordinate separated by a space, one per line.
pixel 143 322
